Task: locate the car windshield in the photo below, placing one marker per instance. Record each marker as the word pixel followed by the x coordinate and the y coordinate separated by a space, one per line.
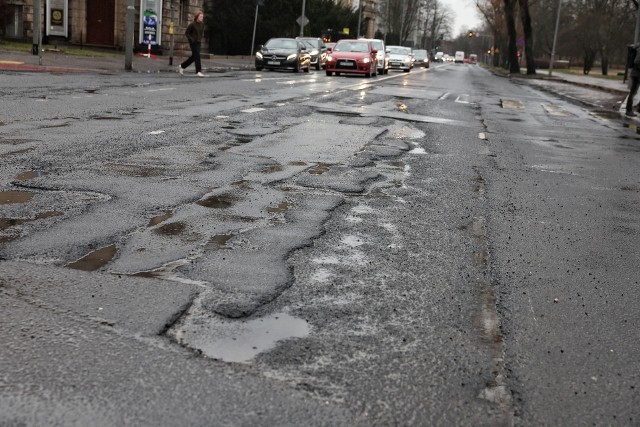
pixel 351 47
pixel 311 44
pixel 399 50
pixel 314 44
pixel 281 44
pixel 420 54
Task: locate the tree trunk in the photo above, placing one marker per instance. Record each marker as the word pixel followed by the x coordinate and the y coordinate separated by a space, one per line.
pixel 528 36
pixel 514 66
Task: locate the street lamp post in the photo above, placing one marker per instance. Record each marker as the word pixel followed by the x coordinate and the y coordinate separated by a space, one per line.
pixel 359 18
pixel 128 39
pixel 555 38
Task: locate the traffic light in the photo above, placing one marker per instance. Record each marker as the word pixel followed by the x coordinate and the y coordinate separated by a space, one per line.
pixel 470 34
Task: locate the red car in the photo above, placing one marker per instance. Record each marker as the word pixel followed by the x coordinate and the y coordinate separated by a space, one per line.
pixel 352 57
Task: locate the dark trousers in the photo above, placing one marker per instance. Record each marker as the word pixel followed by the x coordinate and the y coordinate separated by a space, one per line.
pixel 635 83
pixel 195 57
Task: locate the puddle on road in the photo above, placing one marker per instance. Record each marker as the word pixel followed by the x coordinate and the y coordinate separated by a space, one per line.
pixel 160 218
pixel 320 169
pixel 171 229
pixel 11 197
pixel 94 260
pixel 402 108
pixel 135 171
pixel 15 153
pixel 241 341
pixel 297 163
pixel 216 202
pixel 219 241
pixel 272 169
pixel 25 176
pixel 10 222
pixel 282 207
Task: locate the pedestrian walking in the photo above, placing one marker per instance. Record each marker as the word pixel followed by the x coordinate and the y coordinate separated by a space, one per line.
pixel 634 53
pixel 194 33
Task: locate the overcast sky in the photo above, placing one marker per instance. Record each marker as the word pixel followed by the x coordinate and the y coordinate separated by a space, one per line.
pixel 465 15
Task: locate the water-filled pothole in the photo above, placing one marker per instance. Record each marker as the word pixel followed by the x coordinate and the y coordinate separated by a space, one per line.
pixel 24 176
pixel 11 197
pixel 160 218
pixel 320 169
pixel 216 202
pixel 94 260
pixel 282 207
pixel 241 340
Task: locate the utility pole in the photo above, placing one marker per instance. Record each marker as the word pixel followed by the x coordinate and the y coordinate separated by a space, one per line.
pixel 255 24
pixel 302 20
pixel 171 34
pixel 637 32
pixel 555 38
pixel 359 18
pixel 36 49
pixel 128 39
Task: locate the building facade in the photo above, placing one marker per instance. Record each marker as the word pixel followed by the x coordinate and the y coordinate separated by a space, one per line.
pixel 100 23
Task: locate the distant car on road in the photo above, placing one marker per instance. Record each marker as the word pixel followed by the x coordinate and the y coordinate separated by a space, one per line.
pixel 421 57
pixel 283 54
pixel 351 56
pixel 383 57
pixel 473 58
pixel 317 50
pixel 400 58
pixel 458 57
pixel 439 57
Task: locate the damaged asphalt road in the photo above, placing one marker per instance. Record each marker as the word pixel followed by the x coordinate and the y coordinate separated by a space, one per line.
pixel 269 248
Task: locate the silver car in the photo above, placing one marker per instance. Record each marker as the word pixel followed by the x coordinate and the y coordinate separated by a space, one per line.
pixel 400 58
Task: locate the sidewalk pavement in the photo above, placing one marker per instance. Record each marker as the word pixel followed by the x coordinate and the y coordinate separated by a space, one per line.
pixel 57 62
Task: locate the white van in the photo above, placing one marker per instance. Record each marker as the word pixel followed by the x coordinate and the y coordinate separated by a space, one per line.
pixel 382 55
pixel 459 56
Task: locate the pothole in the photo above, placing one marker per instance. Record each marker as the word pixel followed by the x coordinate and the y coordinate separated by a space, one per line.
pixel 240 340
pixel 94 260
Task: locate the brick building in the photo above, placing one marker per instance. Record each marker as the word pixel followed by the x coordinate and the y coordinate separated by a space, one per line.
pixel 100 23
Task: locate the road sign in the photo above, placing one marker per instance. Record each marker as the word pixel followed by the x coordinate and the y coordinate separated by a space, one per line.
pixel 302 21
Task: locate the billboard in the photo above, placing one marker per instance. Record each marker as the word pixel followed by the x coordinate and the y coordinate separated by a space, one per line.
pixel 57 12
pixel 150 22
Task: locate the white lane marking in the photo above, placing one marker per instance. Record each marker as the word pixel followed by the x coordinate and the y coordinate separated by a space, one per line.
pixel 155 132
pixel 463 99
pixel 252 110
pixel 444 96
pixel 161 90
pixel 482 135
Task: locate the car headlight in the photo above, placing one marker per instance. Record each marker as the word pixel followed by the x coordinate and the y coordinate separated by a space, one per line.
pixel 258 55
pixel 314 52
pixel 291 57
pixel 365 60
pixel 329 58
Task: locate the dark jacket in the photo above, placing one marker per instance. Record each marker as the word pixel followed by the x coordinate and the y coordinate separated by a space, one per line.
pixel 194 32
pixel 635 67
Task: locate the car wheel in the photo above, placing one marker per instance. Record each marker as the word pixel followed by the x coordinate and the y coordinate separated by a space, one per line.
pixel 329 73
pixel 407 70
pixel 258 68
pixel 306 70
pixel 318 65
pixel 386 71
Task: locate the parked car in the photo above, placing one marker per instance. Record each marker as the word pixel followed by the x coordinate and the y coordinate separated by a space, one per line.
pixel 383 58
pixel 317 50
pixel 283 54
pixel 351 56
pixel 421 57
pixel 400 58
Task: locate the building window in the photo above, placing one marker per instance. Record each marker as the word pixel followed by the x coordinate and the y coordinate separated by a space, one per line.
pixel 13 28
pixel 184 13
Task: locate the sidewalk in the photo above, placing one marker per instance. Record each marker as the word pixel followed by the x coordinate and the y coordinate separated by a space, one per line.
pixel 57 62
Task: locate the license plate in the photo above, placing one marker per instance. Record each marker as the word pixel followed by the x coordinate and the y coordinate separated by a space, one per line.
pixel 344 63
pixel 273 62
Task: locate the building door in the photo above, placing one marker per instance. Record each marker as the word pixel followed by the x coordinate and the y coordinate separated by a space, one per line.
pixel 100 22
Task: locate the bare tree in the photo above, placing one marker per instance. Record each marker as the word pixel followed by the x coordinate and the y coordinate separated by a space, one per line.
pixel 401 19
pixel 509 14
pixel 528 36
pixel 435 22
